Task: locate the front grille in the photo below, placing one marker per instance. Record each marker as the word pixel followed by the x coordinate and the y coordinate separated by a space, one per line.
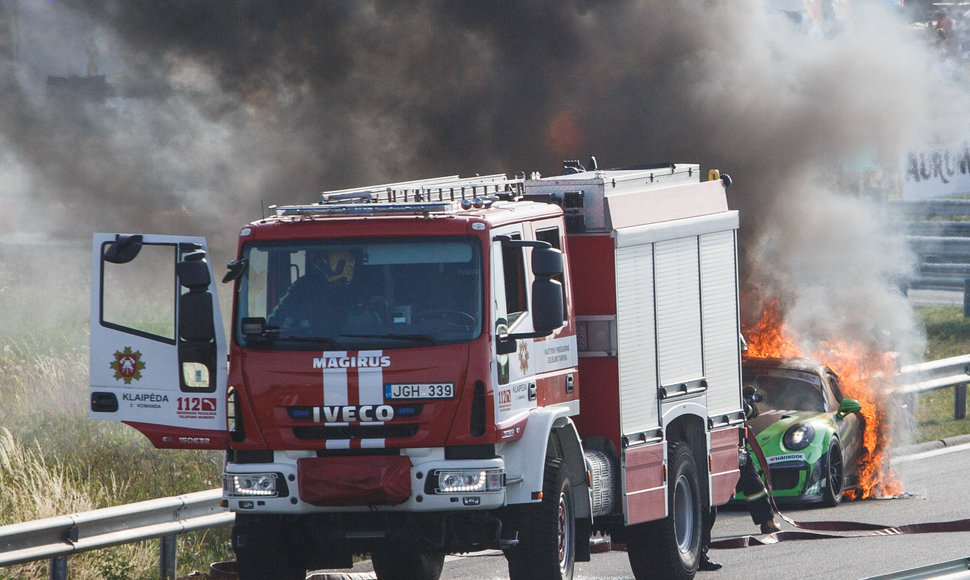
pixel 784 477
pixel 320 433
pixel 318 414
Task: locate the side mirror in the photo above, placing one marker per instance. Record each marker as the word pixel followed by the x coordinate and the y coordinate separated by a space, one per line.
pixel 547 295
pixel 547 305
pixel 236 269
pixel 124 249
pixel 848 406
pixel 546 262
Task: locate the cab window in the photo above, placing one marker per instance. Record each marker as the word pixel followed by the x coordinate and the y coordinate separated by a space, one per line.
pixel 515 281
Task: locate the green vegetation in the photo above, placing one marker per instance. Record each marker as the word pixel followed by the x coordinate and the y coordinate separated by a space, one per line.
pixel 56 461
pixel 947 331
pixel 947 335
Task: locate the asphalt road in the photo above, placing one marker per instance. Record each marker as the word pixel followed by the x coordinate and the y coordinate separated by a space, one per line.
pixel 935 481
pixel 920 298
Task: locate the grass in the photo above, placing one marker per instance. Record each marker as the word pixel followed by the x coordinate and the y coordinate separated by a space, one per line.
pixel 947 335
pixel 947 332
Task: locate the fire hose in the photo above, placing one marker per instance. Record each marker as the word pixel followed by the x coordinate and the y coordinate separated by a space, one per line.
pixel 819 530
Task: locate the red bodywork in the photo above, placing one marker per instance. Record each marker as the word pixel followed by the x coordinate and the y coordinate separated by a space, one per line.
pixel 595 295
pixel 272 383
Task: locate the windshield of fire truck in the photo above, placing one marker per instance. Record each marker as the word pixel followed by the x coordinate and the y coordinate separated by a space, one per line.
pixel 379 293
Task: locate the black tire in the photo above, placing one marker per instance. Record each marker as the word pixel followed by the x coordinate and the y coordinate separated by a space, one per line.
pixel 547 531
pixel 265 549
pixel 671 548
pixel 834 473
pixel 407 565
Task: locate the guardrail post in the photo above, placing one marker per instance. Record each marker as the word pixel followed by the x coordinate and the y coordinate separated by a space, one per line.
pixel 909 403
pixel 960 401
pixel 966 297
pixel 166 557
pixel 59 568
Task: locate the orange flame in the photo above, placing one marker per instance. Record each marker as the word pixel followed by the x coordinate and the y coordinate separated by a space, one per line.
pixel 563 135
pixel 770 337
pixel 865 374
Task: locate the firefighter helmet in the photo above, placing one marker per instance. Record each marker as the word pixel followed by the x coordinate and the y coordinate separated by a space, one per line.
pixel 341 264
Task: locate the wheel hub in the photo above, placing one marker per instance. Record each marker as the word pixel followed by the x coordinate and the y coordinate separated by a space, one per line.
pixel 683 514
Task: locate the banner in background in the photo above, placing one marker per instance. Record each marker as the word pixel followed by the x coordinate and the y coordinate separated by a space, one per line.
pixel 937 172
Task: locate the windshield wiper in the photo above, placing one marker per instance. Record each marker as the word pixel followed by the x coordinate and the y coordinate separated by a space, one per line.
pixel 256 330
pixel 394 336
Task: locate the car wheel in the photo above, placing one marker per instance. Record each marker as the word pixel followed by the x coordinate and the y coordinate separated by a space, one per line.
pixel 834 472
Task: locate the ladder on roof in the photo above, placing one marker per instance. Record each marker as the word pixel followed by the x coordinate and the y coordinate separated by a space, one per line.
pixel 448 188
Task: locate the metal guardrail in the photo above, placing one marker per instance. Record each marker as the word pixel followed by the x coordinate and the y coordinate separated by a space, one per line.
pixel 941 245
pixel 952 570
pixel 938 374
pixel 931 207
pixel 58 537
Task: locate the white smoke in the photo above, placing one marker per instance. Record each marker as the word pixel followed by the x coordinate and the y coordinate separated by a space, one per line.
pixel 214 112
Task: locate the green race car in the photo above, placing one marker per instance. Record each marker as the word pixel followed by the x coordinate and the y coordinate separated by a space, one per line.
pixel 810 433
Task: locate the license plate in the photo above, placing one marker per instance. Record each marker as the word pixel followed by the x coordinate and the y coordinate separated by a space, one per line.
pixel 420 391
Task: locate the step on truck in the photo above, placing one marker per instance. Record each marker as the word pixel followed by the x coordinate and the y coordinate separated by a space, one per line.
pixel 448 365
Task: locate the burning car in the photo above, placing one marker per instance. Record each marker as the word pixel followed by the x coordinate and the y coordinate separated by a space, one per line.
pixel 811 435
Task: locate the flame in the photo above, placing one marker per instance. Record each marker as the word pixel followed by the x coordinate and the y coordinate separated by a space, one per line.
pixel 770 337
pixel 865 374
pixel 563 135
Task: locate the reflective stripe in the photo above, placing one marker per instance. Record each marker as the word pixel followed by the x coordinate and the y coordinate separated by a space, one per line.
pixel 756 496
pixel 335 387
pixel 370 380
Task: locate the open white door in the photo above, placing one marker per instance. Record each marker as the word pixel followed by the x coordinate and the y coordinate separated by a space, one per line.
pixel 158 351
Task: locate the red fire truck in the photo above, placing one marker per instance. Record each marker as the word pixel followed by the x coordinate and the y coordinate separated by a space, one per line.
pixel 446 365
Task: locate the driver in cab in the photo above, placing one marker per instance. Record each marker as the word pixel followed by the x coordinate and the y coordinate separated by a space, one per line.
pixel 321 295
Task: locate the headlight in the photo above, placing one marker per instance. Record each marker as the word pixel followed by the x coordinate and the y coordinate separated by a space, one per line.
pixel 251 485
pixel 468 480
pixel 799 436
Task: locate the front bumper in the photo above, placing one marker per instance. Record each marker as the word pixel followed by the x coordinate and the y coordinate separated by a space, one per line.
pixel 795 482
pixel 303 483
pixel 798 482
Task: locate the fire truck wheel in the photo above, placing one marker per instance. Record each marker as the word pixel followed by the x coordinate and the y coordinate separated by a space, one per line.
pixel 834 470
pixel 547 531
pixel 390 564
pixel 670 548
pixel 264 550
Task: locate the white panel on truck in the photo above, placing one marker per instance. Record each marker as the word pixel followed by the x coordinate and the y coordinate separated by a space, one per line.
pixel 678 311
pixel 720 322
pixel 635 329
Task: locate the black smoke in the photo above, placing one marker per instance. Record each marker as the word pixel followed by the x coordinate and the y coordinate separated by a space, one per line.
pixel 217 109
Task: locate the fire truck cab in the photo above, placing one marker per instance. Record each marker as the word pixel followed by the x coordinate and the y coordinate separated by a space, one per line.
pixel 446 365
